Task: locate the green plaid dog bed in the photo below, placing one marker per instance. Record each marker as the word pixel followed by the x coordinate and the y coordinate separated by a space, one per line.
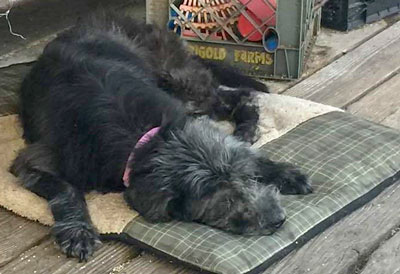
pixel 350 160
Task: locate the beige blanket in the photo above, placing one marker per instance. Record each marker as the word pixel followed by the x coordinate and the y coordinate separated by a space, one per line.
pixel 109 213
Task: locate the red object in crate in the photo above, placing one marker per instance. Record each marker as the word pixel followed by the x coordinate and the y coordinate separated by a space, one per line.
pixel 262 10
pixel 245 27
pixel 261 13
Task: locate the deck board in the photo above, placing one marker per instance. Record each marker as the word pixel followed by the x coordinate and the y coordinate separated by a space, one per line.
pixel 150 264
pixel 356 73
pixel 36 20
pixel 17 235
pixel 393 120
pixel 385 260
pixel 343 246
pixel 379 103
pixel 329 46
pixel 340 248
pixel 46 258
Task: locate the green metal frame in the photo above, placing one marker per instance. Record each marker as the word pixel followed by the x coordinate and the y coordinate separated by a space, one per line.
pixel 297 24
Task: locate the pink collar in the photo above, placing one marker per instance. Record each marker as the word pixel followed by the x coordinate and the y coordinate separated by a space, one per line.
pixel 143 140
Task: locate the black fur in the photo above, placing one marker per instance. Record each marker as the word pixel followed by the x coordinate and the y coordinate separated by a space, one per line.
pixel 98 88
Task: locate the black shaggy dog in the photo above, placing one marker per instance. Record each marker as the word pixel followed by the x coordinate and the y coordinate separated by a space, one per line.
pixel 102 85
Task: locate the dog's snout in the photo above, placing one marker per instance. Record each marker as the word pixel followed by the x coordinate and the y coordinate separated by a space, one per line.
pixel 279 223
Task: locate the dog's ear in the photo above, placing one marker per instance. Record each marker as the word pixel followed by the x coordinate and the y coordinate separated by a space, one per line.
pixel 191 204
pixel 171 118
pixel 157 207
pixel 151 204
pixel 178 210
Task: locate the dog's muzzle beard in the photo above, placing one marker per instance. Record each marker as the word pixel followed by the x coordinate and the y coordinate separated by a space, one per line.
pixel 252 210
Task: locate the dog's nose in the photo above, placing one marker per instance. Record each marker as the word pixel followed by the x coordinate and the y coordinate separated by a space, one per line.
pixel 279 223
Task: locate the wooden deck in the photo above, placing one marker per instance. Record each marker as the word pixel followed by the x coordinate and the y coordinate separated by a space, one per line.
pixel 357 71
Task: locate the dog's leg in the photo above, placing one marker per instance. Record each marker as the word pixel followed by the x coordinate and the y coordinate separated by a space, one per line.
pixel 236 104
pixel 246 118
pixel 228 76
pixel 288 178
pixel 234 95
pixel 73 231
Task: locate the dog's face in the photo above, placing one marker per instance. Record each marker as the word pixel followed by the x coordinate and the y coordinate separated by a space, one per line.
pixel 200 174
pixel 245 207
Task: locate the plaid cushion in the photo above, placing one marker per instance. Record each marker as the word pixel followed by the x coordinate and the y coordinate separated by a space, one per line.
pixel 349 160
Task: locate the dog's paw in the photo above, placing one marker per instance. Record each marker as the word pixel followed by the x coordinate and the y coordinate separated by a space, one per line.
pixel 76 239
pixel 293 181
pixel 248 135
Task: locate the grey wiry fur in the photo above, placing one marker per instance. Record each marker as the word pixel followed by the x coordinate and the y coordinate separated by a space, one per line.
pixel 102 85
pixel 207 176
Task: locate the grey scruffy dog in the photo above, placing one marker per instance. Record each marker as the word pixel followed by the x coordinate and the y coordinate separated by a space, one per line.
pixel 108 82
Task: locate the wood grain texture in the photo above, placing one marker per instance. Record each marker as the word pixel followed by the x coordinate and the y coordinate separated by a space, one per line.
pixel 150 264
pixel 157 12
pixel 34 45
pixel 343 246
pixel 379 103
pixel 339 248
pixel 329 46
pixel 26 54
pixel 46 258
pixel 393 120
pixel 347 79
pixel 17 235
pixel 38 19
pixel 386 259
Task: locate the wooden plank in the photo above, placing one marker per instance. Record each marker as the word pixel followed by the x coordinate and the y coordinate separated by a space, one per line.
pixel 379 103
pixel 157 12
pixel 17 235
pixel 46 19
pixel 393 120
pixel 275 86
pixel 329 46
pixel 347 79
pixel 148 264
pixel 340 248
pixel 46 258
pixel 343 247
pixel 7 4
pixel 38 19
pixel 26 54
pixel 385 260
